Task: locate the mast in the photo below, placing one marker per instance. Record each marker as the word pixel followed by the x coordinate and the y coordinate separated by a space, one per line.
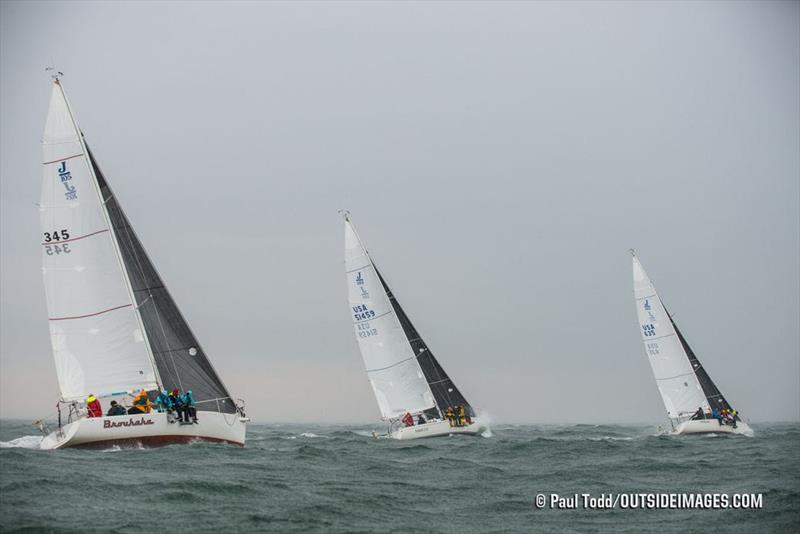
pixel 114 240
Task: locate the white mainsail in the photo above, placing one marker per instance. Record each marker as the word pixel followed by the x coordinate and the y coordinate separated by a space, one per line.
pixel 396 377
pixel 98 341
pixel 680 389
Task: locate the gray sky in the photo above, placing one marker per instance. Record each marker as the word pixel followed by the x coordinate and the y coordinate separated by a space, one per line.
pixel 498 159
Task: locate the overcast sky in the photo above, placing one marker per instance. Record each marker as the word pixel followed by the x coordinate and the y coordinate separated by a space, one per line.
pixel 498 159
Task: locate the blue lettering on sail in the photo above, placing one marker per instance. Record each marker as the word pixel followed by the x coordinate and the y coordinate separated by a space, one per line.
pixel 360 285
pixel 648 309
pixel 66 177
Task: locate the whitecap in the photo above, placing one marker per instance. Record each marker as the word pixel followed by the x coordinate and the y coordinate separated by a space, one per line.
pixel 24 442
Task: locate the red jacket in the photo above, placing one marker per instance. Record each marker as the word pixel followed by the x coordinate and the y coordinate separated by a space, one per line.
pixel 95 410
pixel 408 420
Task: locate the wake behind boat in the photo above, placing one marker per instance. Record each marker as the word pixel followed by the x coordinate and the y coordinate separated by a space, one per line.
pixel 414 393
pixel 694 403
pixel 114 328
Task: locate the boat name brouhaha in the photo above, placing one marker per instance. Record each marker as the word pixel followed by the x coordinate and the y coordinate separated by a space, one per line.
pixel 132 422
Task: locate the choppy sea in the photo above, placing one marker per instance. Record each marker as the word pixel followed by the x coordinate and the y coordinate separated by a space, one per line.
pixel 339 479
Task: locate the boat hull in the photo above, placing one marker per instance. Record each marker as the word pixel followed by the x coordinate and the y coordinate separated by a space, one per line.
pixel 152 430
pixel 712 426
pixel 437 428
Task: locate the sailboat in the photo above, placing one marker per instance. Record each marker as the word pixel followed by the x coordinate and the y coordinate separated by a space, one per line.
pixel 114 328
pixel 414 393
pixel 690 396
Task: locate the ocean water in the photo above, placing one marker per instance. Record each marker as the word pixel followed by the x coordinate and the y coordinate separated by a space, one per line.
pixel 339 479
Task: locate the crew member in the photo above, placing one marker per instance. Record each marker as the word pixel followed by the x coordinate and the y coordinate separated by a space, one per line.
pixel 408 420
pixel 420 420
pixel 449 415
pixel 462 419
pixel 162 401
pixel 93 406
pixel 189 410
pixel 116 409
pixel 141 404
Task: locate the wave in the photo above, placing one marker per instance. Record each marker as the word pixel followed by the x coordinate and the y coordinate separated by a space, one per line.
pixel 24 442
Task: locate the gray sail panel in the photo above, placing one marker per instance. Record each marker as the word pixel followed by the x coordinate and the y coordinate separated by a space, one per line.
pixel 710 390
pixel 180 359
pixel 444 390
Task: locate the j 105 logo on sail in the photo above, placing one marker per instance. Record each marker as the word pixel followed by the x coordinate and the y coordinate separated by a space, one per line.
pixel 648 309
pixel 360 284
pixel 66 177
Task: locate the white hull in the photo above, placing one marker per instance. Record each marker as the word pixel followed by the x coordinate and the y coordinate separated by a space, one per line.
pixel 709 426
pixel 437 428
pixel 151 429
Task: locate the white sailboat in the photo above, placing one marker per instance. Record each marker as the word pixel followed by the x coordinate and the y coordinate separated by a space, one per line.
pixel 114 327
pixel 408 381
pixel 690 396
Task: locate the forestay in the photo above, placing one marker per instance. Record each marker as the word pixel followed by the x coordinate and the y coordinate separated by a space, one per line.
pixel 396 377
pixel 97 338
pixel 679 386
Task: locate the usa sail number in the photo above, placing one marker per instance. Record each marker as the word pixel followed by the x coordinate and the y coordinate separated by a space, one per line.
pixel 362 313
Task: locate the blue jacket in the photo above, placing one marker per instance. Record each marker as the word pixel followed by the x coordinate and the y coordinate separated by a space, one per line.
pixel 163 402
pixel 187 399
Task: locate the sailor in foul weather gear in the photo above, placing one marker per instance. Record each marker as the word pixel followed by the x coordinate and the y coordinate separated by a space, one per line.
pixel 162 401
pixel 449 415
pixel 408 420
pixel 116 409
pixel 420 420
pixel 189 410
pixel 141 404
pixel 93 406
pixel 462 419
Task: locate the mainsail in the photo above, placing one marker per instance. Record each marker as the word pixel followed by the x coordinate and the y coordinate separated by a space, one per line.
pixel 684 384
pixel 404 374
pixel 114 326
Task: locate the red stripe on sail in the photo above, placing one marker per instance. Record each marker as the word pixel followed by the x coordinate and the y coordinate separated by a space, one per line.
pixel 89 314
pixel 62 159
pixel 56 242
